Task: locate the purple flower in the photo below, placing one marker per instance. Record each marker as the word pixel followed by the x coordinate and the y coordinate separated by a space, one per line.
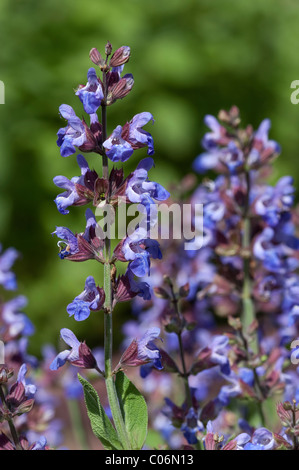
pixel 262 439
pixel 273 201
pixel 91 94
pixel 118 149
pixel 211 139
pixel 261 135
pixel 229 158
pixel 144 192
pixel 81 247
pixel 91 299
pixel 191 426
pixel 220 348
pixel 277 257
pixel 127 288
pixel 70 196
pixel 30 389
pixel 17 323
pixel 79 355
pixel 229 391
pixel 41 444
pixel 73 135
pixel 124 140
pixel 143 351
pixel 7 259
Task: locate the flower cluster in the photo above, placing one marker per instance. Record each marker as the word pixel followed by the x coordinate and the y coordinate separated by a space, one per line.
pixel 245 276
pixel 22 415
pixel 105 191
pixel 137 249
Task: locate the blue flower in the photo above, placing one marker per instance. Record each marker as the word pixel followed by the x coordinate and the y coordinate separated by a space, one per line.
pixel 80 355
pixel 191 426
pixel 261 135
pixel 262 439
pixel 73 135
pixel 272 202
pixel 70 240
pixel 147 350
pixel 67 355
pixel 144 192
pixel 17 323
pixel 91 299
pixel 118 149
pixel 7 259
pixel 124 140
pixel 91 94
pixel 144 353
pixel 220 348
pixel 139 251
pixel 230 391
pixel 211 139
pixel 139 288
pixel 277 257
pixel 30 389
pixel 81 247
pixel 70 196
pixel 41 444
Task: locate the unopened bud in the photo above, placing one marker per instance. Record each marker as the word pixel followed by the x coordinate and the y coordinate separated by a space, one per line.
pixel 108 48
pixel 25 407
pixel 168 363
pixel 120 56
pixel 161 293
pixel 5 374
pixel 96 57
pixel 86 358
pixel 120 89
pixel 184 290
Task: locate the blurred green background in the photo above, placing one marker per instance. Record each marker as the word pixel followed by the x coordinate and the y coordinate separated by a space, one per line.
pixel 189 58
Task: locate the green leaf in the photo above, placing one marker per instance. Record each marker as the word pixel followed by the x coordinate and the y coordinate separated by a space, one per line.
pixel 134 410
pixel 100 423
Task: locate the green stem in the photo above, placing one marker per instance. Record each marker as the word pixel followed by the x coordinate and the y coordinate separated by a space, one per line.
pixel 257 385
pixel 11 425
pixel 109 380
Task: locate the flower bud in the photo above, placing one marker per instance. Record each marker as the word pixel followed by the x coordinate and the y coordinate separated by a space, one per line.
pixel 86 358
pixel 16 396
pixel 108 48
pixel 96 57
pixel 120 56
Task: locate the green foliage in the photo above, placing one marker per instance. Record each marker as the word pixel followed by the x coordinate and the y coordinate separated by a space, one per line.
pixel 100 423
pixel 134 410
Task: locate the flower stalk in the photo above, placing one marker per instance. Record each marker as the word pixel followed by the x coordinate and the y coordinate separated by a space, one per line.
pixel 108 325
